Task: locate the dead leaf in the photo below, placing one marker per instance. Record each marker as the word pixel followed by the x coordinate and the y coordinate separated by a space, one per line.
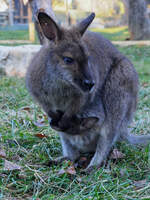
pixel 11 166
pixel 70 170
pixel 116 154
pixel 82 162
pixel 139 184
pixel 41 135
pixel 62 171
pixel 45 116
pixel 2 153
pixel 27 108
pixel 145 84
pixel 40 123
pixel 69 163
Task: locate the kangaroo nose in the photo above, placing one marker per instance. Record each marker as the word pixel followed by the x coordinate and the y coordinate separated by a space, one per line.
pixel 88 84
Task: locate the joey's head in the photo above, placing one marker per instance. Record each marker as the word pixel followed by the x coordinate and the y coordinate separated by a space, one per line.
pixel 68 55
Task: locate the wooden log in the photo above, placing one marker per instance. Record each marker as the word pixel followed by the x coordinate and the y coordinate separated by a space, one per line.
pixel 31 25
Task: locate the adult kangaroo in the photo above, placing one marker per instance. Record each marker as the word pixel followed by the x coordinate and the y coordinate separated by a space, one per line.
pixel 87 88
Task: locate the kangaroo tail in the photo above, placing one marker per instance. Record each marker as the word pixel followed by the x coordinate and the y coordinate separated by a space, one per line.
pixel 137 139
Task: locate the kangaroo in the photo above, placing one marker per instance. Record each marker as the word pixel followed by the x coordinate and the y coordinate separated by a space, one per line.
pixel 55 77
pixel 87 88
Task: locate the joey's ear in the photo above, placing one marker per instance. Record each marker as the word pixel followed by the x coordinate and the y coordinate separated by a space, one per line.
pixel 49 27
pixel 88 122
pixel 83 25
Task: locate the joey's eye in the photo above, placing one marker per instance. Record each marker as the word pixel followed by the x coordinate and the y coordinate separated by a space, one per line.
pixel 68 60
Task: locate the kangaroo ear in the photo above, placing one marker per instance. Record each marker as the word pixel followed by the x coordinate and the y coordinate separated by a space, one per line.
pixel 83 25
pixel 88 122
pixel 49 27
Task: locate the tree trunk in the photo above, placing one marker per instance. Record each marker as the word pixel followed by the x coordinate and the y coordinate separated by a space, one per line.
pixel 43 5
pixel 126 15
pixel 139 22
pixel 11 21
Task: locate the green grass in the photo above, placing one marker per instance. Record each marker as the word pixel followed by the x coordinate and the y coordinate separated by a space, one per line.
pixel 14 35
pixel 114 33
pixel 140 56
pixel 37 181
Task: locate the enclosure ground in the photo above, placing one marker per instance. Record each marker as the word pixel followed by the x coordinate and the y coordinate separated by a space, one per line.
pixel 28 142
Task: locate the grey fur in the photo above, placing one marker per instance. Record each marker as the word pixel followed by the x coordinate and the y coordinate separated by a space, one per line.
pixel 102 116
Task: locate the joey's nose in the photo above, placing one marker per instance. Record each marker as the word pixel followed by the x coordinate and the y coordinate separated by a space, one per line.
pixel 88 84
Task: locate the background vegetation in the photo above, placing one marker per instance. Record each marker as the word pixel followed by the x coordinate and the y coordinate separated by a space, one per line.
pixel 113 34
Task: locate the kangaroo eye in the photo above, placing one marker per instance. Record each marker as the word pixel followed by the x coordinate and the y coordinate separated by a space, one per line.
pixel 68 60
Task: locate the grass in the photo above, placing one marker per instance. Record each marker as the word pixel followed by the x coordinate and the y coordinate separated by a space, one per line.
pixel 15 35
pixel 140 56
pixel 127 178
pixel 115 33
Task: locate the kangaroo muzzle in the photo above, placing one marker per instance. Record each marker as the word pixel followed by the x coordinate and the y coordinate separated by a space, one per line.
pixel 88 84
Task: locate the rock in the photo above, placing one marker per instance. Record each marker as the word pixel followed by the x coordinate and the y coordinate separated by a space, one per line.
pixel 14 61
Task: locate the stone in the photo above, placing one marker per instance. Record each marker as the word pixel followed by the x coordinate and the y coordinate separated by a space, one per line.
pixel 14 61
